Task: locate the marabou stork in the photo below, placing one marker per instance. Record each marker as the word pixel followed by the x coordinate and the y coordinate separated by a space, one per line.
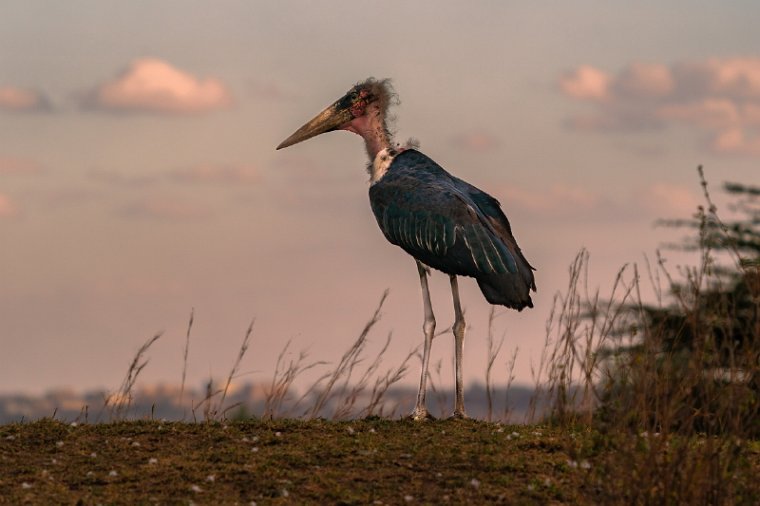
pixel 443 222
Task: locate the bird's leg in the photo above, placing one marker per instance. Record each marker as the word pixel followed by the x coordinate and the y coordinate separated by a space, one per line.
pixel 458 329
pixel 420 410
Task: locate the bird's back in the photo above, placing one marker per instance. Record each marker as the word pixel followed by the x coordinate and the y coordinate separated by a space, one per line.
pixel 452 226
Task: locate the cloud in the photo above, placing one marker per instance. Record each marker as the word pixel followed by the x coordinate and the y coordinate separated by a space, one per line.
pixel 166 208
pixel 14 99
pixel 719 97
pixel 668 199
pixel 154 86
pixel 19 166
pixel 8 209
pixel 735 141
pixel 216 174
pixel 476 141
pixel 643 80
pixel 586 83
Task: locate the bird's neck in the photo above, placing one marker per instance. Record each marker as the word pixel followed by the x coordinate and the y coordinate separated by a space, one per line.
pixel 372 128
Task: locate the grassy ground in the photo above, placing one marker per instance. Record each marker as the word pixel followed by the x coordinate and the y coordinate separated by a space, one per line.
pixel 283 462
pixel 375 461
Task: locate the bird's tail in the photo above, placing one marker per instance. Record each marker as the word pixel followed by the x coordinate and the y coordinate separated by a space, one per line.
pixel 510 290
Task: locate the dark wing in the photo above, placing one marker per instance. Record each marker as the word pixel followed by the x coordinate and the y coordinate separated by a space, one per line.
pixel 452 226
pixel 439 219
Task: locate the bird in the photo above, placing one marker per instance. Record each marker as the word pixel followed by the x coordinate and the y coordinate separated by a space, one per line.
pixel 442 221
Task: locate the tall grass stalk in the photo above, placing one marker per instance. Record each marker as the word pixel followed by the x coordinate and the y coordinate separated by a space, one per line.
pixel 120 402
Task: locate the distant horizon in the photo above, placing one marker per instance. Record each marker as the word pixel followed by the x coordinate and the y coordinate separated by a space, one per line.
pixel 90 406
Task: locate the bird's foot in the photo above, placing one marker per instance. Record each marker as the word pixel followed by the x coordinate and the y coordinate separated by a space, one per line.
pixel 420 415
pixel 459 415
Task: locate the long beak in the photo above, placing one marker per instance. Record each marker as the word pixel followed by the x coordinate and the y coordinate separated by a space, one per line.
pixel 330 119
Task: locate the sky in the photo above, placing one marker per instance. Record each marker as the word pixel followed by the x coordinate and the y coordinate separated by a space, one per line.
pixel 139 178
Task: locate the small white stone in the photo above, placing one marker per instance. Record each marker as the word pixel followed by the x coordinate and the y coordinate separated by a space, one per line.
pixel 408 498
pixel 372 430
pixel 278 434
pixel 153 460
pixel 475 483
pixel 585 464
pixel 26 485
pixel 74 424
pixel 59 444
pixel 93 455
pixel 196 488
pixel 113 473
pixel 350 430
pixel 285 492
pixel 135 443
pixel 255 449
pixel 211 478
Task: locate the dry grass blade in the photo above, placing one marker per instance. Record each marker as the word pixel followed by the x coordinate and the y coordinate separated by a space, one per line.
pixel 510 379
pixel 353 393
pixel 121 401
pixel 184 357
pixel 348 361
pixel 236 365
pixel 282 381
pixel 382 385
pixel 493 352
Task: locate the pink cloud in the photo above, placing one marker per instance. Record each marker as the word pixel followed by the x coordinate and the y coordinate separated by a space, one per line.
pixel 586 83
pixel 734 77
pixel 17 99
pixel 736 141
pixel 8 209
pixel 153 85
pixel 710 113
pixel 217 174
pixel 645 80
pixel 668 199
pixel 476 141
pixel 717 96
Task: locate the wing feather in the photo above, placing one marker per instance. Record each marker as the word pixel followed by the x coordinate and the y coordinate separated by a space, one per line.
pixel 442 220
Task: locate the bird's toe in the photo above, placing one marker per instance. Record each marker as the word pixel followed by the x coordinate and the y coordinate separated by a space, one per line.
pixel 420 415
